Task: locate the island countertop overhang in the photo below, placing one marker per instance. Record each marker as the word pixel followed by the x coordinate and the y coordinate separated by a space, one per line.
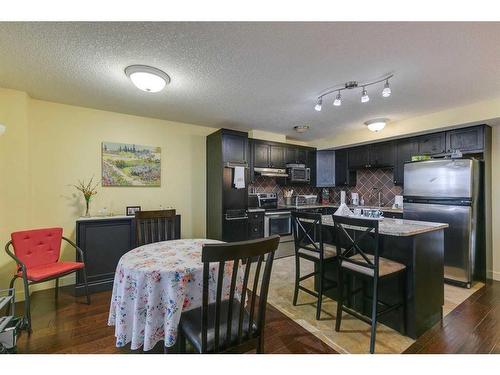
pixel 399 227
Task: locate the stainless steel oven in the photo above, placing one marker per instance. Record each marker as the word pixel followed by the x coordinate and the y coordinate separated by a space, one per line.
pixel 280 222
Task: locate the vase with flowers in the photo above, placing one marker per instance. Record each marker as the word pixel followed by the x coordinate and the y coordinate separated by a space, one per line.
pixel 88 190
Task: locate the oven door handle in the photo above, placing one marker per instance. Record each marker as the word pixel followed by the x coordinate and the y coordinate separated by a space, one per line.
pixel 278 214
pixel 237 218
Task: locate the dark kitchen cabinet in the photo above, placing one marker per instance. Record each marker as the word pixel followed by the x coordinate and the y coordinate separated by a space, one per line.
pixel 261 155
pixel 432 144
pixel 465 140
pixel 234 148
pixel 277 156
pixel 290 155
pixel 325 169
pixel 343 176
pixel 405 149
pixel 375 155
pixel 255 225
pixel 381 154
pixel 296 155
pixel 358 157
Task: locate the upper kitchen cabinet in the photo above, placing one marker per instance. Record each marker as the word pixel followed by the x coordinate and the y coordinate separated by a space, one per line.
pixel 358 157
pixel 277 156
pixel 260 154
pixel 234 147
pixel 324 175
pixel 331 169
pixel 405 149
pixel 382 154
pixel 465 140
pixel 432 144
pixel 343 176
pixel 369 156
pixel 268 155
pixel 296 155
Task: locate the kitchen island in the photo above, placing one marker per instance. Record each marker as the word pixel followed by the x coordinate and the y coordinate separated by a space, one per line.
pixel 419 246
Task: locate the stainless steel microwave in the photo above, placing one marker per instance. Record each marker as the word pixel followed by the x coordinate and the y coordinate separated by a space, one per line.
pixel 298 173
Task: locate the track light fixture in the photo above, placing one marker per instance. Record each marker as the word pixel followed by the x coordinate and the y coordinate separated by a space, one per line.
pixel 386 92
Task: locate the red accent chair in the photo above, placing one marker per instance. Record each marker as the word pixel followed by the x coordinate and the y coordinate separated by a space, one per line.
pixel 36 253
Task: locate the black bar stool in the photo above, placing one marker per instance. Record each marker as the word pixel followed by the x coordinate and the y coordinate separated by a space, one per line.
pixel 354 259
pixel 308 238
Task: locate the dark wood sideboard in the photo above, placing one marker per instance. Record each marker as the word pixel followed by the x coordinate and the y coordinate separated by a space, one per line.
pixel 104 241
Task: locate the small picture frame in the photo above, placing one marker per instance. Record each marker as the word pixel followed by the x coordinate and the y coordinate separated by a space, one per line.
pixel 131 210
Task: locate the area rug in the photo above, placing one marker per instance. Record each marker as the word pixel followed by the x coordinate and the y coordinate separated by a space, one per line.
pixel 354 336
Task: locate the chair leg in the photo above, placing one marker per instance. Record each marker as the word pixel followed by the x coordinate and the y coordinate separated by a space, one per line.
pixel 182 342
pixel 11 286
pixel 84 270
pixel 260 344
pixel 297 276
pixel 27 307
pixel 320 291
pixel 404 301
pixel 340 299
pixel 57 289
pixel 374 315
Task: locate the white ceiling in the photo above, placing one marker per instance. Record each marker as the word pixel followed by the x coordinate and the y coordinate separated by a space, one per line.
pixel 255 75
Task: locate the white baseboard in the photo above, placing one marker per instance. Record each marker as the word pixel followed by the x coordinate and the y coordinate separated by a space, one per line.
pixel 495 275
pixel 63 281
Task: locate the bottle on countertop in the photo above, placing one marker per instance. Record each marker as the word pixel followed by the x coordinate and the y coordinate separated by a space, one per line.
pixel 362 201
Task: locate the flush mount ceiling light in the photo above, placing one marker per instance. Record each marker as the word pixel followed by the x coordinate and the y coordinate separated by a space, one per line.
pixel 147 78
pixel 376 124
pixel 301 128
pixel 2 129
pixel 386 92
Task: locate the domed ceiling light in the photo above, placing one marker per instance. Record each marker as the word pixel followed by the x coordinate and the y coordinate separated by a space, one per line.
pixel 301 128
pixel 147 78
pixel 386 92
pixel 376 124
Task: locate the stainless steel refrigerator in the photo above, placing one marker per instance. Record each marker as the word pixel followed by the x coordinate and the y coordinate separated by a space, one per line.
pixel 450 191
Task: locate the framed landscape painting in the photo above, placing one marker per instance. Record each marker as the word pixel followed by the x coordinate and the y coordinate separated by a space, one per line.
pixel 126 164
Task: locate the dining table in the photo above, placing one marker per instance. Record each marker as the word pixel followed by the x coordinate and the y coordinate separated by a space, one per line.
pixel 154 284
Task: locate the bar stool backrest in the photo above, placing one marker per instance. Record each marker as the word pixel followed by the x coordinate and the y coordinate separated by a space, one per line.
pixel 307 232
pixel 363 241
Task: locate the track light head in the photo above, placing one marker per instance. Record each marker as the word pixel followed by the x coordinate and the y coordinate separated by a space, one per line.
pixel 338 100
pixel 386 92
pixel 318 105
pixel 364 96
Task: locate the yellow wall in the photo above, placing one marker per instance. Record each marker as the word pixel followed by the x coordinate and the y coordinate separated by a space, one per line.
pixel 478 113
pixel 49 146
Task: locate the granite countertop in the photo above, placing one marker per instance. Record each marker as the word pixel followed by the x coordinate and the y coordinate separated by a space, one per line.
pixel 109 217
pixel 399 227
pixel 313 206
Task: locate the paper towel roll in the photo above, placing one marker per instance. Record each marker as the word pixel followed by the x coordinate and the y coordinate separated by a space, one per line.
pixel 342 197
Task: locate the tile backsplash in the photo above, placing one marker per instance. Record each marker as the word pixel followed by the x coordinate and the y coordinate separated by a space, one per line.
pixel 368 183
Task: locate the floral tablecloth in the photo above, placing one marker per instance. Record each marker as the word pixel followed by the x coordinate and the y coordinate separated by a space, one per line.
pixel 153 284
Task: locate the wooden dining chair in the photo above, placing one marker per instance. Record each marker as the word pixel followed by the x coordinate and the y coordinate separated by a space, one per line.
pixel 228 325
pixel 309 245
pixel 156 226
pixel 359 255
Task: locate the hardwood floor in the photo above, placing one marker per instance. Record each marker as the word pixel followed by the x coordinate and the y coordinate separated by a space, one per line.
pixel 473 327
pixel 71 326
